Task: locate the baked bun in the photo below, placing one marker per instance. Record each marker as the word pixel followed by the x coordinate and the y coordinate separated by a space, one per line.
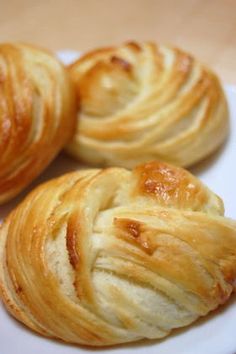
pixel 37 114
pixel 140 102
pixel 101 257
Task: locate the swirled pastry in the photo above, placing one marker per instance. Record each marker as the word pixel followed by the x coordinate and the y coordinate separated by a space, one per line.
pixel 140 102
pixel 37 114
pixel 101 257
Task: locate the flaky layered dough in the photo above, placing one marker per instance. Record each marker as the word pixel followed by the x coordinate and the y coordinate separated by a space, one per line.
pixel 140 102
pixel 101 257
pixel 37 114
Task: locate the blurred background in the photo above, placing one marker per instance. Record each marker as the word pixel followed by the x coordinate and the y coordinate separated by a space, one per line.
pixel 206 28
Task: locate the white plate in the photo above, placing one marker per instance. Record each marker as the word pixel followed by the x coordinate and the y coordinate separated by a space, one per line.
pixel 214 334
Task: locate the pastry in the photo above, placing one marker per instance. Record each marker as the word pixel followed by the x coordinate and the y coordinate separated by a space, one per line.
pixel 140 102
pixel 102 257
pixel 37 114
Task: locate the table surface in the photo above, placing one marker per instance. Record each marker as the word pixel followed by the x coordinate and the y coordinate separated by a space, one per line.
pixel 206 28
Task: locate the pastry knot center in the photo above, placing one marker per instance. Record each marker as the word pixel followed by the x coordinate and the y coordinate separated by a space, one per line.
pixel 107 87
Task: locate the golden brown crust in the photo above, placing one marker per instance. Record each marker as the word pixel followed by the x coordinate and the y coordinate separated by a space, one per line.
pixel 37 114
pixel 98 257
pixel 140 102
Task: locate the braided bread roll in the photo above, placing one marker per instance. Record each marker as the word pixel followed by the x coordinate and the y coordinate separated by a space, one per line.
pixel 37 114
pixel 140 102
pixel 101 257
